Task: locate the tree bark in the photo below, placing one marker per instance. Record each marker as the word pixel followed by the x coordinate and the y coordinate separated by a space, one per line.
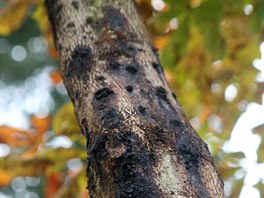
pixel 139 142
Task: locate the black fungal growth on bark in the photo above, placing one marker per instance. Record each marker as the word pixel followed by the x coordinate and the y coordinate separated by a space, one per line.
pixel 142 110
pixel 174 96
pixel 134 175
pixel 81 62
pixel 129 88
pixel 155 52
pixel 114 19
pixel 131 69
pixel 157 67
pixel 103 93
pixel 99 78
pixel 113 65
pixel 75 4
pixel 70 25
pixel 126 49
pixel 111 119
pixel 190 156
pixel 176 123
pixel 161 93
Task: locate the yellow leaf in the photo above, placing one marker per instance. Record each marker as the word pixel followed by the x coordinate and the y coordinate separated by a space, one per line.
pixel 13 14
pixel 41 17
pixel 64 122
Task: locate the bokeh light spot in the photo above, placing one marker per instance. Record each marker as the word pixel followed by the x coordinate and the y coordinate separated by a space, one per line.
pixel 18 53
pixel 230 92
pixel 4 150
pixel 18 184
pixel 248 9
pixel 158 4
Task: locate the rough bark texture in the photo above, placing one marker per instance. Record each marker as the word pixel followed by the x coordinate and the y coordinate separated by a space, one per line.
pixel 139 142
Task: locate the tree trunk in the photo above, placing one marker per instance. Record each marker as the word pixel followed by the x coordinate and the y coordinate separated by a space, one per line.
pixel 139 142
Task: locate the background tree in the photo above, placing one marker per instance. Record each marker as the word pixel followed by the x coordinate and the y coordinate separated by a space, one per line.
pixel 177 26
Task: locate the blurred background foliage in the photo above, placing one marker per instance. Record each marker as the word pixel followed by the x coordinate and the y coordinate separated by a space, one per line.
pixel 206 48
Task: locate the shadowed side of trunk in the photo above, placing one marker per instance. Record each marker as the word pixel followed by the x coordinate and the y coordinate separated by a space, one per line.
pixel 139 142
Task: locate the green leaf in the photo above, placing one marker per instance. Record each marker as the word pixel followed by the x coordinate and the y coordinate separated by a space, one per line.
pixel 258 16
pixel 260 151
pixel 177 5
pixel 260 187
pixel 207 17
pixel 176 45
pixel 227 172
pixel 237 187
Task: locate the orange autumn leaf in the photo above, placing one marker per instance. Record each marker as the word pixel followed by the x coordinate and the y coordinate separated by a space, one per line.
pixel 168 75
pixel 16 137
pixel 25 138
pixel 53 183
pixel 205 114
pixel 5 178
pixel 30 153
pixel 53 52
pixel 41 124
pixel 161 41
pixel 84 194
pixel 55 77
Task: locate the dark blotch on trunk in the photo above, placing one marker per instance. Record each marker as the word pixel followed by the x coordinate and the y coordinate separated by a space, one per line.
pixel 131 69
pixel 81 62
pixel 76 96
pixel 111 119
pixel 142 110
pixel 157 67
pixel 126 49
pixel 117 48
pixel 155 51
pixel 176 123
pixel 113 65
pixel 70 25
pixel 129 88
pixel 190 155
pixel 95 24
pixel 89 21
pixel 96 154
pixel 75 4
pixel 174 96
pixel 103 93
pixel 60 47
pixel 99 78
pixel 114 19
pixel 161 93
pixel 134 175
